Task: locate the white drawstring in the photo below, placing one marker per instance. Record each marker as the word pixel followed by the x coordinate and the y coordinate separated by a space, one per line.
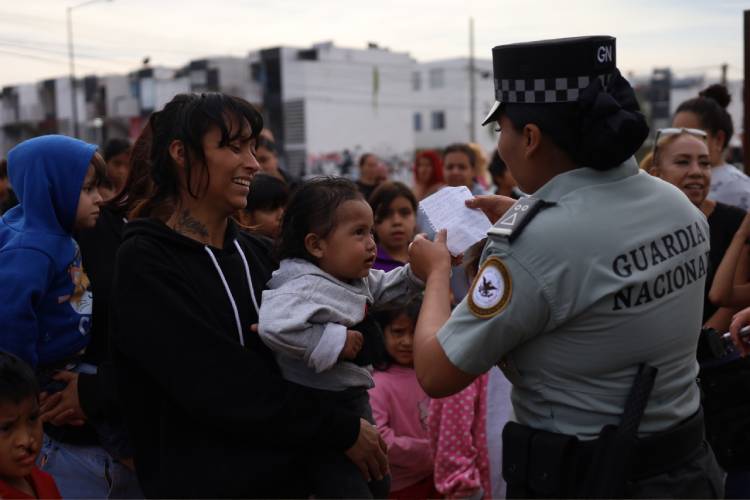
pixel 249 281
pixel 229 294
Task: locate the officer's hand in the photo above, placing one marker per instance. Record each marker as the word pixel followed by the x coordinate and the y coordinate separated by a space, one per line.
pixel 493 205
pixel 740 320
pixel 427 257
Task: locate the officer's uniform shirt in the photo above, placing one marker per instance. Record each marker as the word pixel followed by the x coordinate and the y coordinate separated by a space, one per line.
pixel 609 276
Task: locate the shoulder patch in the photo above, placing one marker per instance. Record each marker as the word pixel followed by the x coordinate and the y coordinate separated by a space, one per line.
pixel 517 217
pixel 490 292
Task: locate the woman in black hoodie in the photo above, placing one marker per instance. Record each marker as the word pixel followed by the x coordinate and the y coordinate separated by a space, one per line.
pixel 207 410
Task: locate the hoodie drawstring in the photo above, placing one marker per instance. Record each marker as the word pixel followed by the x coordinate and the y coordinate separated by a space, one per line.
pixel 229 292
pixel 249 281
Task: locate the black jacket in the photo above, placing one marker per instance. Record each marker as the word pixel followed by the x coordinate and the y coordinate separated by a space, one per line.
pixel 207 417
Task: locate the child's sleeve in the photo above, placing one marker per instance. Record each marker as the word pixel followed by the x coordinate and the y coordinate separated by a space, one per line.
pixel 24 278
pixel 456 454
pixel 403 451
pixel 394 287
pixel 284 326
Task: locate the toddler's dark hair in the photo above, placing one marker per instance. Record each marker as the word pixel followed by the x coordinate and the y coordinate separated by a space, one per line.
pixel 266 193
pixel 312 209
pixel 385 318
pixel 17 379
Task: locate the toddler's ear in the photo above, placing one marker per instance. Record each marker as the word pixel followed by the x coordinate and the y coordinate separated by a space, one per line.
pixel 314 245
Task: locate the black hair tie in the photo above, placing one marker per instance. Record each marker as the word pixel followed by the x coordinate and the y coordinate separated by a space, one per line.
pixel 612 126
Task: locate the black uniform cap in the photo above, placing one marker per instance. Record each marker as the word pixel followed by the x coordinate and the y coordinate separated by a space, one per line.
pixel 549 71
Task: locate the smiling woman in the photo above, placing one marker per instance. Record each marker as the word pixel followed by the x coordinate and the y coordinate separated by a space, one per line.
pixel 208 411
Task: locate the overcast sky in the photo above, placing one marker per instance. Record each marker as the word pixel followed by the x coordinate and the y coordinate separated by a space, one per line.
pixel 114 36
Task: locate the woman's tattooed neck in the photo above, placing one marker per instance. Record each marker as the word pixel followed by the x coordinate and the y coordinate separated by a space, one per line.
pixel 188 225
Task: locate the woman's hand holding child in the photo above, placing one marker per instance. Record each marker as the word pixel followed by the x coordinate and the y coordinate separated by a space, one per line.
pixel 352 345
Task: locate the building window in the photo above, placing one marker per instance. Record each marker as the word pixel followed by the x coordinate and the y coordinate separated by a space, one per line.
pixel 437 78
pixel 416 80
pixel 438 120
pixel 417 122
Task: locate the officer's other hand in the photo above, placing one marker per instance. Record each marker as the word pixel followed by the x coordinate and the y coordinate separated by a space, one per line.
pixel 493 205
pixel 369 452
pixel 427 257
pixel 740 320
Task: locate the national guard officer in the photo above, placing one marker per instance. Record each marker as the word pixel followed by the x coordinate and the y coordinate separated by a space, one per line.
pixel 589 292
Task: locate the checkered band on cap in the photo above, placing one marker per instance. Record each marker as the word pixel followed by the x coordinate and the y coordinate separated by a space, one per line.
pixel 540 90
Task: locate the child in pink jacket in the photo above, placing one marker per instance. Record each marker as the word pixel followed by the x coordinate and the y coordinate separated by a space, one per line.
pixel 400 407
pixel 466 429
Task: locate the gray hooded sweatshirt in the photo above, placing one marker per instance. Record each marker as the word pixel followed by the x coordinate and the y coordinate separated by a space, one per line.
pixel 305 313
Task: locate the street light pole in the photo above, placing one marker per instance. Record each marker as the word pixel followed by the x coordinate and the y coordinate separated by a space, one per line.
pixel 71 61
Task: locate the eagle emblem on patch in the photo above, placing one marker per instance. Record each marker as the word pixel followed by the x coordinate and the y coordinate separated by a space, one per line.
pixel 491 289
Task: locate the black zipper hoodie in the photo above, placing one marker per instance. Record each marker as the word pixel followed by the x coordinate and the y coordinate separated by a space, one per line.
pixel 207 416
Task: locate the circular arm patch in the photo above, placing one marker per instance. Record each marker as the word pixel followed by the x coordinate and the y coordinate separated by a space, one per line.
pixel 491 289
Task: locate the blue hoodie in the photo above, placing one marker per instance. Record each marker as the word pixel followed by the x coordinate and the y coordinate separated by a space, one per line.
pixel 45 305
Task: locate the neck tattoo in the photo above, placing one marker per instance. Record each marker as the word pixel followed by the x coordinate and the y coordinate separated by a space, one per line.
pixel 188 225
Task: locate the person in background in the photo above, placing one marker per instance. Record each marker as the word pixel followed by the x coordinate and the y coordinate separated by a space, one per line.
pixel 482 174
pixel 47 297
pixel 8 198
pixel 502 178
pixel 681 157
pixel 268 158
pixel 368 174
pixel 395 208
pixel 117 157
pixel 265 206
pixel 428 174
pixel 21 433
pixel 465 428
pixel 459 168
pixel 708 112
pixel 400 407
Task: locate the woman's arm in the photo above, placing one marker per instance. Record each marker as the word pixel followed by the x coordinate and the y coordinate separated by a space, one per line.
pixel 723 290
pixel 437 375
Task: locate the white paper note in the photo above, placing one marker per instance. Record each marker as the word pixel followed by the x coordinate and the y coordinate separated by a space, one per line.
pixel 446 210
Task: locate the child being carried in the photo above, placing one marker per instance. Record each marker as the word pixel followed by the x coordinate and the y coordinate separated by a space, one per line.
pixel 324 286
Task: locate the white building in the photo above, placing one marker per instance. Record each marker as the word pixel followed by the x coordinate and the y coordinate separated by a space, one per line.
pixel 324 101
pixel 442 103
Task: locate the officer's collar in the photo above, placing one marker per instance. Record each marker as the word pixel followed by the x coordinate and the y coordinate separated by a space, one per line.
pixel 562 184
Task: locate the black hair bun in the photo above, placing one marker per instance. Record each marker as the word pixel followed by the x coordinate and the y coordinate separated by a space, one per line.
pixel 718 93
pixel 612 126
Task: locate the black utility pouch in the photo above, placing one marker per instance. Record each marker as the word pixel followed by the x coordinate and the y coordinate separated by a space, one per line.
pixel 516 445
pixel 551 458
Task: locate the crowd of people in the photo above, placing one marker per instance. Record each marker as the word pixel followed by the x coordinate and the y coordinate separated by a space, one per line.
pixel 182 317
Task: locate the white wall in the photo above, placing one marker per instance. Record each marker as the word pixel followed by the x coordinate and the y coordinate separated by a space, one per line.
pixel 453 99
pixel 352 98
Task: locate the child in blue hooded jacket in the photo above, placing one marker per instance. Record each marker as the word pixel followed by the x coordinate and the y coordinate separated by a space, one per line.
pixel 46 305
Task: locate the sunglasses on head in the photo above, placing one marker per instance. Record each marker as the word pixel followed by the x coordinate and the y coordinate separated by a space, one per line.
pixel 662 132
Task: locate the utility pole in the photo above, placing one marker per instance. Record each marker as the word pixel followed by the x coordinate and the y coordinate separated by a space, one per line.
pixel 71 59
pixel 472 84
pixel 746 103
pixel 724 68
